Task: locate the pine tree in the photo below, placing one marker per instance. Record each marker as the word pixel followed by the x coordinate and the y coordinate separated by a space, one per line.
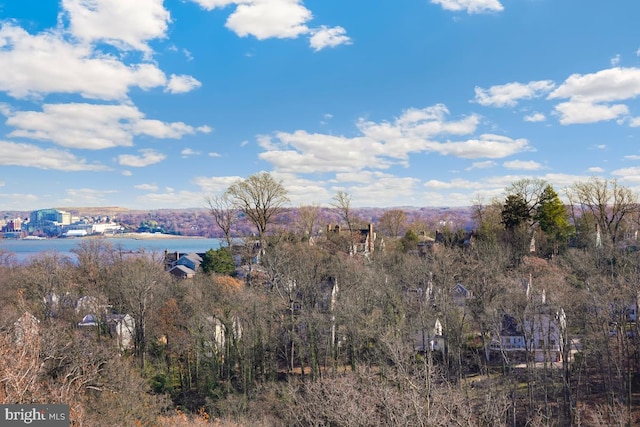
pixel 218 261
pixel 515 212
pixel 552 216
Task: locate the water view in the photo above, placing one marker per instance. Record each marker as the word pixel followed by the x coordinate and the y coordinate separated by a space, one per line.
pixel 25 249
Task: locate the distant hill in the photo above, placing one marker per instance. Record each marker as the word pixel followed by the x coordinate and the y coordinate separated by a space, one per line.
pixel 198 221
pixel 95 211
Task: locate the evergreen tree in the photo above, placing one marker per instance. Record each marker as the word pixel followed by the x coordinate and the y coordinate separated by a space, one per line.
pixel 218 261
pixel 409 241
pixel 552 216
pixel 515 211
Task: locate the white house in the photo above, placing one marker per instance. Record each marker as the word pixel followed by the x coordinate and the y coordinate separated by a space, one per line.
pixel 460 294
pixel 217 331
pixel 432 340
pixel 511 336
pixel 26 329
pixel 540 335
pixel 121 327
pixel 542 332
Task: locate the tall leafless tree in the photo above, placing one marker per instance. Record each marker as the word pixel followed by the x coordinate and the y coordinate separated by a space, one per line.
pixel 393 222
pixel 308 219
pixel 260 197
pixel 342 202
pixel 610 204
pixel 221 209
pixel 136 290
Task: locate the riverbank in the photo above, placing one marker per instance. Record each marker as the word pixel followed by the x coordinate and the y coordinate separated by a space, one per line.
pixel 148 236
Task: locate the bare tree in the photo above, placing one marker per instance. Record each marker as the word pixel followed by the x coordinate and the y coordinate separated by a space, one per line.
pixel 44 280
pixel 221 209
pixel 608 203
pixel 487 217
pixel 136 291
pixel 342 202
pixel 308 218
pixel 393 222
pixel 260 197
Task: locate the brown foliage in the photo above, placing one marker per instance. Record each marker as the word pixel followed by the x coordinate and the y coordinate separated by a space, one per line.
pixel 229 283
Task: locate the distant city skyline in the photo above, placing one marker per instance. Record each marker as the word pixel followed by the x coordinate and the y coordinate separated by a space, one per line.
pixel 153 104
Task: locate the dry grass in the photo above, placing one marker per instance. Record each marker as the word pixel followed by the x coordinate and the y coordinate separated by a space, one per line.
pixel 180 419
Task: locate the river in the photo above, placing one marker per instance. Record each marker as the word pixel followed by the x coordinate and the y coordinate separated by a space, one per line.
pixel 26 249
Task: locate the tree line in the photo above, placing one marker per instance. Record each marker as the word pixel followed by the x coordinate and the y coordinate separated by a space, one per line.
pixel 317 334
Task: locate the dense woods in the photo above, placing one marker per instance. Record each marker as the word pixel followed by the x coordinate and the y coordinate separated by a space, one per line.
pixel 318 327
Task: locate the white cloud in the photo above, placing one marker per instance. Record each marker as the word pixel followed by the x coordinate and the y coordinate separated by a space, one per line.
pixel 409 131
pixel 301 152
pixel 615 60
pixel 182 84
pixel 87 197
pixel 5 109
pixel 215 184
pixel 487 146
pixel 214 154
pixel 631 174
pixel 590 94
pixel 632 157
pixel 596 169
pixel 264 19
pixel 148 157
pixel 328 37
pixel 212 4
pixel 438 185
pixel 383 144
pixel 535 118
pixel 482 165
pixel 27 155
pixel 377 189
pixel 613 84
pixel 188 152
pixel 487 188
pixel 92 126
pixel 470 6
pixel 46 63
pixel 146 187
pixel 303 191
pixel 125 24
pixel 509 94
pixel 23 201
pixel 574 112
pixel 177 199
pixel 634 122
pixel 522 165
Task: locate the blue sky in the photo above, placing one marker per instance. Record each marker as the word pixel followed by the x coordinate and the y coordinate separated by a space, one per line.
pixel 152 104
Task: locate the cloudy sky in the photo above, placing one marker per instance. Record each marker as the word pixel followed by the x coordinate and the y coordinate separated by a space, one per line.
pixel 156 104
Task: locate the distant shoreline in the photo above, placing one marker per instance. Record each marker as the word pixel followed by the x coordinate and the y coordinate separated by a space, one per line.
pixel 147 236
